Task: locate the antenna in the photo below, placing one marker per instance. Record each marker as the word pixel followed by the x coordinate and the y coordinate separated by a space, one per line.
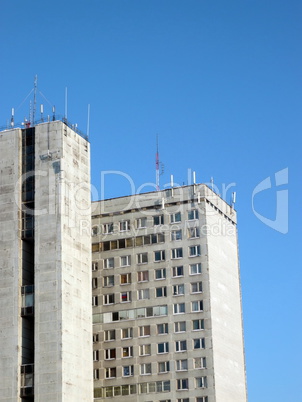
pixel 12 120
pixel 212 183
pixel 53 113
pixel 233 199
pixel 194 177
pixel 35 100
pixel 42 111
pixel 157 164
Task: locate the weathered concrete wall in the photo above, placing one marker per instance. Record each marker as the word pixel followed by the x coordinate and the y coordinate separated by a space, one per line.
pixel 10 262
pixel 225 306
pixel 63 350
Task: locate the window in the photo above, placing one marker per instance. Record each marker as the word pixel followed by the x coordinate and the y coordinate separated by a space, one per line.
pixel 158 220
pixel 108 281
pixel 182 365
pixel 95 301
pixel 109 299
pixel 127 351
pixel 162 329
pixel 181 346
pixel 182 384
pixel 163 347
pixel 199 343
pixel 95 265
pixel 176 234
pixel 163 367
pixel 160 273
pixel 195 269
pixel 142 258
pixel 202 399
pixel 125 279
pixel 109 335
pixel 194 251
pixel 110 354
pixel 141 223
pixel 196 287
pixel 95 338
pixel 144 330
pixel 178 290
pixel 127 333
pixel 109 263
pixel 125 297
pixel 128 371
pixel 179 308
pixel 94 231
pixel 175 217
pixel 200 362
pixel 197 305
pixel 193 233
pixel 145 369
pixel 201 382
pixel 193 214
pixel 124 225
pixel 180 326
pixel 198 325
pixel 159 255
pixel 108 228
pixel 143 276
pixel 183 399
pixel 110 372
pixel 143 294
pixel 176 253
pixel 95 355
pixel 96 374
pixel 125 260
pixel 178 271
pixel 94 283
pixel 161 292
pixel 145 350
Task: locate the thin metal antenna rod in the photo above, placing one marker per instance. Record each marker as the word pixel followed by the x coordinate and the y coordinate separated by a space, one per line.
pixel 88 120
pixel 157 164
pixel 35 100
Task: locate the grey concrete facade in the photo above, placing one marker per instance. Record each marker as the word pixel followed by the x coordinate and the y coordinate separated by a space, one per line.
pixel 45 245
pixel 166 298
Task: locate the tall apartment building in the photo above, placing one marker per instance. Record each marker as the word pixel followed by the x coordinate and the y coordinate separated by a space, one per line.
pixel 167 318
pixel 45 265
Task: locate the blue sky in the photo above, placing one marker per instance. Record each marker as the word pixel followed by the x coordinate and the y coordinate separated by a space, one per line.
pixel 220 83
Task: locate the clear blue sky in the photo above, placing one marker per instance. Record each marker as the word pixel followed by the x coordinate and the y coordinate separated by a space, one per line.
pixel 220 83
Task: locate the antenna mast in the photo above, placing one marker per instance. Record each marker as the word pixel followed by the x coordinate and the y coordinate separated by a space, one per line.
pixel 35 100
pixel 157 164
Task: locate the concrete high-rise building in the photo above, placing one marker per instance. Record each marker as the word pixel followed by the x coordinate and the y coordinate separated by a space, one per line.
pixel 167 317
pixel 45 265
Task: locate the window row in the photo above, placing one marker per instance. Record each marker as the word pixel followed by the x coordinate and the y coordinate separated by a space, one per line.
pixel 145 350
pixel 145 330
pixel 142 388
pixel 145 294
pixel 149 368
pixel 144 276
pixel 140 223
pixel 131 314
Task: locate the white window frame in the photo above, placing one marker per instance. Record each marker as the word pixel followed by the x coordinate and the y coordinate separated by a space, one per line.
pixel 193 215
pixel 179 289
pixel 125 260
pixel 127 333
pixel 141 222
pixel 109 335
pixel 159 255
pixel 108 299
pixel 175 218
pixel 176 235
pixel 108 228
pixel 197 306
pixel 146 369
pixel 124 225
pixel 179 308
pixel 179 324
pixel 142 258
pixel 160 219
pixel 95 265
pixel 198 286
pixel 181 345
pixel 162 274
pixel 127 297
pixel 109 263
pixel 201 382
pixel 182 365
pixel 143 294
pixel 163 290
pixel 109 352
pixel 110 372
pixel 165 348
pixel 96 355
pixel 128 278
pixel 144 331
pixel 128 350
pixel 182 384
pixel 176 253
pixel 195 269
pixel 94 283
pixel 199 343
pixel 163 367
pixel 175 273
pixel 140 276
pixel 145 350
pixel 164 329
pixel 200 363
pixel 108 283
pixel 200 326
pixel 193 233
pixel 194 251
pixel 131 370
pixel 95 301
